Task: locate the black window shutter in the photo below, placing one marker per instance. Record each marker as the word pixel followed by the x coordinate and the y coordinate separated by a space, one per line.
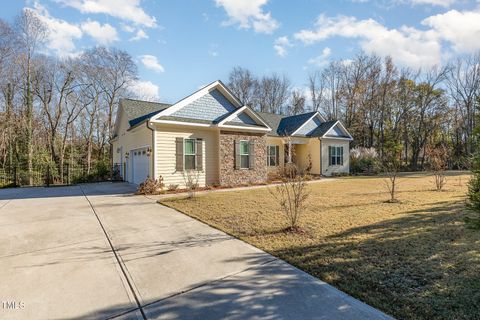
pixel 237 154
pixel 251 153
pixel 329 155
pixel 277 155
pixel 199 154
pixel 179 154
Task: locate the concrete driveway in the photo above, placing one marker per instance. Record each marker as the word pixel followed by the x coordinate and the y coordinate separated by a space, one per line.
pixel 97 252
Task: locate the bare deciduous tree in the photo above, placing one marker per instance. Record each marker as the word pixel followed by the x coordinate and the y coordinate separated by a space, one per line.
pixel 30 34
pixel 297 102
pixel 191 179
pixel 273 93
pixel 438 163
pixel 291 195
pixel 243 84
pixel 391 165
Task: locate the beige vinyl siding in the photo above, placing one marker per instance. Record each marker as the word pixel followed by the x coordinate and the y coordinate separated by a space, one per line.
pixel 329 170
pixel 311 146
pixel 165 154
pixel 314 149
pixel 127 141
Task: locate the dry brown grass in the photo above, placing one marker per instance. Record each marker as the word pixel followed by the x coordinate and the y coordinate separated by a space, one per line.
pixel 414 259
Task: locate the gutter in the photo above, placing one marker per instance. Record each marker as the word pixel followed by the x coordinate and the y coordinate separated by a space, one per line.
pixel 152 152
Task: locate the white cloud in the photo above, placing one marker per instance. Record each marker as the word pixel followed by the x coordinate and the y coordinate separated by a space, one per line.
pixel 103 34
pixel 145 90
pixel 452 31
pixel 139 35
pixel 440 3
pixel 151 62
pixel 407 46
pixel 62 34
pixel 128 10
pixel 248 14
pixel 127 28
pixel 281 45
pixel 461 29
pixel 322 59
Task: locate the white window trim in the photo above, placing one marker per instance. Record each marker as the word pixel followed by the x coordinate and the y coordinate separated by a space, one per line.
pixel 336 148
pixel 240 151
pixel 194 153
pixel 269 155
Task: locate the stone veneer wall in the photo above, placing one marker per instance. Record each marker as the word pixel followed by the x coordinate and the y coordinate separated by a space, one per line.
pixel 229 176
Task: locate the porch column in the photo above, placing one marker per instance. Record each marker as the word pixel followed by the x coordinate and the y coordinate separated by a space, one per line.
pixel 289 151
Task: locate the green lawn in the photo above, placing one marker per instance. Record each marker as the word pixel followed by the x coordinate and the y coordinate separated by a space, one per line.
pixel 413 260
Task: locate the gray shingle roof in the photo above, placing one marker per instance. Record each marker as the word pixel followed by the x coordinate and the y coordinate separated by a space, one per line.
pixel 290 124
pixel 273 121
pixel 284 125
pixel 322 128
pixel 138 111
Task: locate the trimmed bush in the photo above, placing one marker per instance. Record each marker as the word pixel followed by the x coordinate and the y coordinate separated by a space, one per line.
pixel 364 161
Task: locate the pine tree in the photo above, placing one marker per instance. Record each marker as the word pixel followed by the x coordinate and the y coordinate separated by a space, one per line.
pixel 473 202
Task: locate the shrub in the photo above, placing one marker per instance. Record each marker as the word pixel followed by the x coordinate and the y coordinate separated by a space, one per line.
pixel 364 161
pixel 172 187
pixel 151 186
pixel 102 171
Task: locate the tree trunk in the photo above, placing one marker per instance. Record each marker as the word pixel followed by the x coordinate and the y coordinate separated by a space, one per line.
pixel 29 129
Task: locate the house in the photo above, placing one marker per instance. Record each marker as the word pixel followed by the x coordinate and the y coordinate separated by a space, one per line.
pixel 224 142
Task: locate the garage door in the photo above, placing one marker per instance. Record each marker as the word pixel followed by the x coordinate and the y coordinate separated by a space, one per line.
pixel 140 165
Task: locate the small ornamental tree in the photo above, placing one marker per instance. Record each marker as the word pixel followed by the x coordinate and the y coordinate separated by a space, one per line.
pixel 438 164
pixel 191 179
pixel 291 194
pixel 391 164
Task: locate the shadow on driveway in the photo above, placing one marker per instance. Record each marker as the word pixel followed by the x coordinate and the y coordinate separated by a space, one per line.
pixel 265 290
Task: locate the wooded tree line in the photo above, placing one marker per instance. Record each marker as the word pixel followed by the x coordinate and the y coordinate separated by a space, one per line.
pixel 61 110
pixel 380 102
pixel 57 110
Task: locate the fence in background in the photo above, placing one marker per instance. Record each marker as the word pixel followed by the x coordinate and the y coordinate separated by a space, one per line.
pixel 46 175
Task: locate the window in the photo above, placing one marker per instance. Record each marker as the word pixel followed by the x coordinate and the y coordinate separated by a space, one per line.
pixel 189 153
pixel 244 155
pixel 272 156
pixel 335 156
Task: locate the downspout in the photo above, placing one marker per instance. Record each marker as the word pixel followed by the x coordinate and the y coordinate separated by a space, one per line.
pixel 321 158
pixel 153 154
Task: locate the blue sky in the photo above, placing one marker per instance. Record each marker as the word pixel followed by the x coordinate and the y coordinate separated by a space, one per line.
pixel 183 44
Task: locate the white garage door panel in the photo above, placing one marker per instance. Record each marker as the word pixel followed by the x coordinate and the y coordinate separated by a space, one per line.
pixel 140 165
